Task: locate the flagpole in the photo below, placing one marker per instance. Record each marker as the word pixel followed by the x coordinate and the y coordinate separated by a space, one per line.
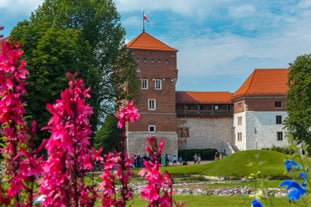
pixel 143 21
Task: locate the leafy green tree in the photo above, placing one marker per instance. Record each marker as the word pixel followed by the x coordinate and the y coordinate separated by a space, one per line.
pixel 107 137
pixel 76 35
pixel 298 105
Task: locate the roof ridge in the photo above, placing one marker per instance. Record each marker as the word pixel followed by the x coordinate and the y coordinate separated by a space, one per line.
pixel 134 40
pixel 148 42
pixel 243 89
pixel 251 81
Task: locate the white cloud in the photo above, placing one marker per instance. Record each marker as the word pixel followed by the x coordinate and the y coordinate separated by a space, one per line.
pixel 305 4
pixel 20 6
pixel 245 10
pixel 183 7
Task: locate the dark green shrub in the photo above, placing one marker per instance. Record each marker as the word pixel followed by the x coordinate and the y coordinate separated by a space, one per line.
pixel 206 154
pixel 284 150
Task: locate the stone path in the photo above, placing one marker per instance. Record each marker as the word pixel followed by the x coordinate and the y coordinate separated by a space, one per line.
pixel 206 188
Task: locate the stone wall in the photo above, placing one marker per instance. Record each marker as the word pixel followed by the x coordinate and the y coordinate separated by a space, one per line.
pixel 136 142
pixel 206 133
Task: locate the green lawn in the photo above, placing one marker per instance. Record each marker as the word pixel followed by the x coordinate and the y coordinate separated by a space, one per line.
pixel 215 201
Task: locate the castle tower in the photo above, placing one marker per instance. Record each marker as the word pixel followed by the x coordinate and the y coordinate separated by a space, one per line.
pixel 157 71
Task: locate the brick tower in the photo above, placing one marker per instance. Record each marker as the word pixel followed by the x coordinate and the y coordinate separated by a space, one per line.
pixel 157 71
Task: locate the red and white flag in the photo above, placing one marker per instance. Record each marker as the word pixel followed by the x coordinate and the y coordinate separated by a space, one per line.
pixel 146 18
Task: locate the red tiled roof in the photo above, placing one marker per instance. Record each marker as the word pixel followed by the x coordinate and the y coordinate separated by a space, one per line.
pixel 147 42
pixel 264 82
pixel 190 97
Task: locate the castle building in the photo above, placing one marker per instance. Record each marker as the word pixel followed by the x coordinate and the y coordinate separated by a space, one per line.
pixel 259 110
pixel 250 118
pixel 157 71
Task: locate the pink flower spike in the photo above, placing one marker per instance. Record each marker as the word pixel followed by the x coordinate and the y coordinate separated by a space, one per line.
pixel 70 156
pixel 22 165
pixel 127 112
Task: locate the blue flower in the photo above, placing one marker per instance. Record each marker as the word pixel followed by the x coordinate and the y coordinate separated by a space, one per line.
pixel 304 176
pixel 289 163
pixel 294 188
pixel 294 194
pixel 256 203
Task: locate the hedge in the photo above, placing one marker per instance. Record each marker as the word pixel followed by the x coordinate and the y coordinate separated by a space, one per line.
pixel 206 154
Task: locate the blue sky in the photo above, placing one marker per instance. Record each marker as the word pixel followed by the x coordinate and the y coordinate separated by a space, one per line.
pixel 219 42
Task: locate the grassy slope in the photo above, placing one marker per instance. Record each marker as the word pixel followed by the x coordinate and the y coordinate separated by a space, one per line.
pixel 238 165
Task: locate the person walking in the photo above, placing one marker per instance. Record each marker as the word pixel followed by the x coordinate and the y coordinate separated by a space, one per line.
pixel 195 158
pixel 174 160
pixel 180 160
pixel 199 159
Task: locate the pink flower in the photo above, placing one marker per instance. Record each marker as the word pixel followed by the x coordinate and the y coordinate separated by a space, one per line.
pixel 22 165
pixel 158 191
pixel 150 193
pixel 116 168
pixel 70 155
pixel 127 113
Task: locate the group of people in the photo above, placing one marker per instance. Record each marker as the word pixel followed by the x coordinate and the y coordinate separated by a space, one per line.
pixel 138 160
pixel 218 156
pixel 165 160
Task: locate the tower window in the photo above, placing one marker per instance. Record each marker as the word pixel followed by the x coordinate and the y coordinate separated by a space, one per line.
pixel 144 84
pixel 158 84
pixel 151 128
pixel 151 104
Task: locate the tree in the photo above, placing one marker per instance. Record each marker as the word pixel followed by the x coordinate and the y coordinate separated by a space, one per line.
pixel 299 99
pixel 76 35
pixel 107 137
